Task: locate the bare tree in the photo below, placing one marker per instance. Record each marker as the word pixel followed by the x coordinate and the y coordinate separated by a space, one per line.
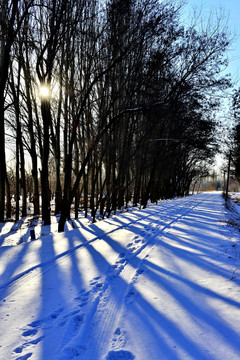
pixel 12 14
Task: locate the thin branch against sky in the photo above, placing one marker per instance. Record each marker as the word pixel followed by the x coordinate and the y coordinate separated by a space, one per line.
pixel 232 11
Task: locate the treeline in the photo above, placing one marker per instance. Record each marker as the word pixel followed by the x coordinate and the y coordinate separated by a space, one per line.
pixel 130 109
pixel 233 153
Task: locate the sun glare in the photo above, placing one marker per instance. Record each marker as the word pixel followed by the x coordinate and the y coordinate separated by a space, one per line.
pixel 44 91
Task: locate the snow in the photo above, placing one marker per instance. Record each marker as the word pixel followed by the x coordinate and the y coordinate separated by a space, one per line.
pixel 159 283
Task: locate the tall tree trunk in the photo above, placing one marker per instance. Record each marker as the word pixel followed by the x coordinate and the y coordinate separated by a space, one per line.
pixel 2 158
pixel 23 177
pixel 4 61
pixel 33 152
pixel 17 181
pixel 36 210
pixel 46 116
pixel 58 189
pixel 7 36
pixel 8 207
pixel 85 190
pixel 77 195
pixel 19 145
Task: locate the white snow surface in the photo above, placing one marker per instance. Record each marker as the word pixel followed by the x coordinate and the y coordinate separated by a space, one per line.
pixel 153 284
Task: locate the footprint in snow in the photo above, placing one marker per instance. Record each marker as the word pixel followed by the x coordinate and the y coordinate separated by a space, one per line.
pixel 19 349
pixel 94 281
pixel 24 357
pixel 119 339
pixel 35 341
pixel 121 261
pixel 139 271
pixel 29 332
pixel 120 355
pixel 66 317
pixel 72 328
pixel 131 293
pixel 96 284
pixel 115 269
pixel 129 296
pixel 83 304
pixel 50 317
pixel 136 244
pixel 82 298
pixel 72 352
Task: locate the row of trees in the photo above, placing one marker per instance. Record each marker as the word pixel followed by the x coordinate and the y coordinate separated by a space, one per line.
pixel 234 155
pixel 120 74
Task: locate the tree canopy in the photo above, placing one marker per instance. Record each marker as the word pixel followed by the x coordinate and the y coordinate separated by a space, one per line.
pixel 117 76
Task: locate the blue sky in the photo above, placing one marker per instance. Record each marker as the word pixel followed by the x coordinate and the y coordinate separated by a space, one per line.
pixel 232 8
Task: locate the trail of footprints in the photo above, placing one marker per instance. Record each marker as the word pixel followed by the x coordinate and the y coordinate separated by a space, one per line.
pixel 72 322
pixel 33 334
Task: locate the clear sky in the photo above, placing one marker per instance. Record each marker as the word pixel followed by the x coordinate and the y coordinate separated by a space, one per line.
pixel 232 8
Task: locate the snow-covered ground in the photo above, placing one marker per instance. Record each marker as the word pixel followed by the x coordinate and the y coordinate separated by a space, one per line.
pixel 153 284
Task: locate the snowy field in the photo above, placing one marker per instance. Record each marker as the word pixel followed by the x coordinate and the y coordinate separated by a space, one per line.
pixel 154 284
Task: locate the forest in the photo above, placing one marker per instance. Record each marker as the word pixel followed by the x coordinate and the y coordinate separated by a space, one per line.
pixel 112 101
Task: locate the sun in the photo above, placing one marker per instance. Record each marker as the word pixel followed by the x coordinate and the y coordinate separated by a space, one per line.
pixel 44 91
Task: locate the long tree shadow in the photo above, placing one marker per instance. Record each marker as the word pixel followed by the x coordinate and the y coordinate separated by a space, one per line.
pixel 59 283
pixel 112 284
pixel 155 269
pixel 162 333
pixel 53 303
pixel 101 262
pixel 188 299
pixel 11 267
pixel 169 327
pixel 92 338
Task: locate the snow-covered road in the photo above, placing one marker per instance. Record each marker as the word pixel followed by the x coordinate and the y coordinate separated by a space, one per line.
pixel 155 284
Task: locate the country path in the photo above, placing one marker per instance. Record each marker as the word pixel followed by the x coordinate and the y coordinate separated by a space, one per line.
pixel 151 284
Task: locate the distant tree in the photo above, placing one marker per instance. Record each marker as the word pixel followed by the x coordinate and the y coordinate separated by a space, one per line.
pixel 236 134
